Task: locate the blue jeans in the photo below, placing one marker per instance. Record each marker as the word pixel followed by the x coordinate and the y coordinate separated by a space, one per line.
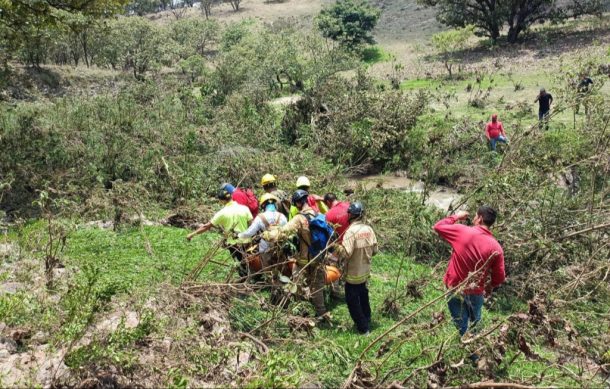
pixel 493 141
pixel 465 308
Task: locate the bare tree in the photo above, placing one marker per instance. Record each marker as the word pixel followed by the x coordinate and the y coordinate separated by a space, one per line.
pixel 206 8
pixel 179 12
pixel 234 4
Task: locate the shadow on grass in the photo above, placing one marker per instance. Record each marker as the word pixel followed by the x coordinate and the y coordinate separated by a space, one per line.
pixel 373 54
pixel 544 43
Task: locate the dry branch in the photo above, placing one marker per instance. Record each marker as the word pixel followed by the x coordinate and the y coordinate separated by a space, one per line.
pixel 509 385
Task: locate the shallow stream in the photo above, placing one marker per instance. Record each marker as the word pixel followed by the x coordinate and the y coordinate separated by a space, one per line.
pixel 441 197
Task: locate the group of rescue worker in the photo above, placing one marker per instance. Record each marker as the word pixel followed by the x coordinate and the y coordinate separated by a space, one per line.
pixel 280 219
pixel 283 229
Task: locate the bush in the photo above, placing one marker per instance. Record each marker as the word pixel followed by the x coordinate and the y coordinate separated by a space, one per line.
pixel 349 22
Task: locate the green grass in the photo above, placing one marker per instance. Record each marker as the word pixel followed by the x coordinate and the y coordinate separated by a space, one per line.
pixel 507 90
pixel 374 54
pixel 415 84
pixel 138 261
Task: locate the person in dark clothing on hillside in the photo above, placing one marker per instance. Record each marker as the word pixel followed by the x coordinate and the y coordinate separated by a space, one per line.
pixel 583 88
pixel 544 101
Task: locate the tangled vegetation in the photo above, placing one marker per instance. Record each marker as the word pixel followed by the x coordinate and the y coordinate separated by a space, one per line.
pixel 113 147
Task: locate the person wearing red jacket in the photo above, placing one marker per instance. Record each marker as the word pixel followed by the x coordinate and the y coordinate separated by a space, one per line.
pixel 337 214
pixel 494 131
pixel 338 217
pixel 474 250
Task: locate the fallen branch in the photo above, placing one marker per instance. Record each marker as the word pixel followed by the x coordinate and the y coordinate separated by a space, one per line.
pixel 484 334
pixel 510 385
pixel 262 345
pixel 598 227
pixel 348 382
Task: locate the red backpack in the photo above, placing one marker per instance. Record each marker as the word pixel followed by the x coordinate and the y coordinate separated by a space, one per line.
pixel 245 196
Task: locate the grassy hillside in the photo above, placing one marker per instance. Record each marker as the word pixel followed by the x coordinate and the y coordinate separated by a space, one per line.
pixel 158 336
pixel 104 173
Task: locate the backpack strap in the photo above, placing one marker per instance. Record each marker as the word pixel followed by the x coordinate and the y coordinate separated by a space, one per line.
pixel 264 220
pixel 277 219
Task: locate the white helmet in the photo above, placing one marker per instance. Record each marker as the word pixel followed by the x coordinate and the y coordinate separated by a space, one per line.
pixel 303 181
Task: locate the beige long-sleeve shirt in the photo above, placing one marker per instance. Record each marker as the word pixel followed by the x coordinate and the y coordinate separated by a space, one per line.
pixel 358 247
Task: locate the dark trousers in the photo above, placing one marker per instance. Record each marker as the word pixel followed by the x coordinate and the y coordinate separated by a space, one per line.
pixel 237 254
pixel 543 118
pixel 357 299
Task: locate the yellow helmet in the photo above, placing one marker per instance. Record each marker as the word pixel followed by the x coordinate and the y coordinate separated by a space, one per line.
pixel 303 181
pixel 268 179
pixel 266 198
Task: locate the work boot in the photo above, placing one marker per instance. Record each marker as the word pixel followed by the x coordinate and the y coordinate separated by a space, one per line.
pixel 324 319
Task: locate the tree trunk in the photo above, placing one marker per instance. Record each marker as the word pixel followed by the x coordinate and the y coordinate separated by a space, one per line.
pixel 85 48
pixel 494 33
pixel 513 34
pixel 235 4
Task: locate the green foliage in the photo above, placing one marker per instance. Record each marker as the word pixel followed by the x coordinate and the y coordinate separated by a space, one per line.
pixel 374 54
pixel 29 26
pixel 195 36
pixel 194 66
pixel 141 45
pixel 142 7
pixel 234 33
pixel 366 127
pixel 491 17
pixel 115 350
pixel 279 370
pixel 448 42
pixel 349 22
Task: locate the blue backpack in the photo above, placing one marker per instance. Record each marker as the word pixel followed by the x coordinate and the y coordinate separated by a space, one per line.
pixel 320 234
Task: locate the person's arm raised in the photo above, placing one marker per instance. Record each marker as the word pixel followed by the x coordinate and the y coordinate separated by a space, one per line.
pixel 447 229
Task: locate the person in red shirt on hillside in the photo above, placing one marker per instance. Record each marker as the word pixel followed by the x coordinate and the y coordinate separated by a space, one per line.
pixel 337 214
pixel 494 131
pixel 474 248
pixel 243 196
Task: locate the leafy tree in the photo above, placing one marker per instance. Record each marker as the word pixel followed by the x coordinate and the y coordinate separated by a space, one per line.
pixel 195 35
pixel 448 42
pixel 234 33
pixel 486 16
pixel 137 44
pixel 522 14
pixel 143 7
pixel 349 22
pixel 490 17
pixel 28 24
pixel 193 66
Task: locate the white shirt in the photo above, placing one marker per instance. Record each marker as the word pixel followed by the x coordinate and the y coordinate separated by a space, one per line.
pixel 257 226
